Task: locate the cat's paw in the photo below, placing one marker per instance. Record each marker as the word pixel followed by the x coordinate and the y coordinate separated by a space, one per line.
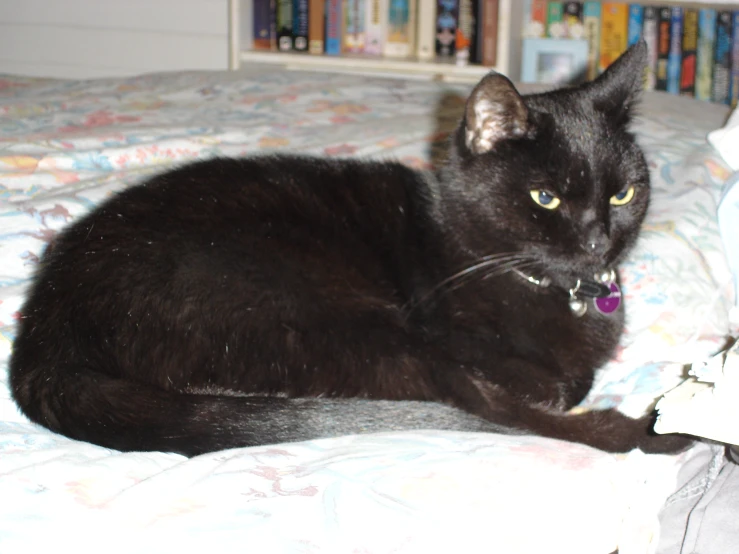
pixel 653 443
pixel 666 444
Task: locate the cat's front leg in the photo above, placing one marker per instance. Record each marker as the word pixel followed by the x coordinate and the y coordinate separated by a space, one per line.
pixel 537 385
pixel 607 430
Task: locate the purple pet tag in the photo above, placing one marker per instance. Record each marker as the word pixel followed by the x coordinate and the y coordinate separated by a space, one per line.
pixel 610 303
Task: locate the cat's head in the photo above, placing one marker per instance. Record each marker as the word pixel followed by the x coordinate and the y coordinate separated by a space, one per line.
pixel 556 176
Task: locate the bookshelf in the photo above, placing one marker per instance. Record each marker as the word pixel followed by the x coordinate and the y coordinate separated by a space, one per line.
pixel 692 44
pixel 508 52
pixel 509 46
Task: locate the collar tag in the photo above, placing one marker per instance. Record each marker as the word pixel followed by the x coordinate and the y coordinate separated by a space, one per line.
pixel 604 291
pixel 609 304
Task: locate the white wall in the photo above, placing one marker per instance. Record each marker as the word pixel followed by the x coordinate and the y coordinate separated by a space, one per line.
pixel 100 38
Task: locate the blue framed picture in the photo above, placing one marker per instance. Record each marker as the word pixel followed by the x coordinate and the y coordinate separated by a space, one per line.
pixel 554 61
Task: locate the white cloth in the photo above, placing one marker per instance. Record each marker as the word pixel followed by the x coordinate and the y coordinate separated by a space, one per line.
pixel 726 141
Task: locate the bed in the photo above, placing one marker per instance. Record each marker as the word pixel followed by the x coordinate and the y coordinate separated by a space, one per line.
pixel 67 145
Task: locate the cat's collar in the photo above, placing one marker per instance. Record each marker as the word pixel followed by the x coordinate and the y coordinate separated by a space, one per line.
pixel 603 290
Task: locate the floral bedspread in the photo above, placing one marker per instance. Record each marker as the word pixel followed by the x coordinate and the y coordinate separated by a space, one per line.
pixel 66 145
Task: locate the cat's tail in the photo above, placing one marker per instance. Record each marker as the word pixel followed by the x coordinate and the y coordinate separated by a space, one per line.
pixel 130 416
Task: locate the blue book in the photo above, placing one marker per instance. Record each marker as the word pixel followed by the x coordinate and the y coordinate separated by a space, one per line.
pixel 675 57
pixel 636 22
pixel 722 58
pixel 734 82
pixel 704 57
pixel 333 27
pixel 300 25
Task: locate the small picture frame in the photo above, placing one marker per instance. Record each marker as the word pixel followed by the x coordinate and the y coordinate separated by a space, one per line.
pixel 554 61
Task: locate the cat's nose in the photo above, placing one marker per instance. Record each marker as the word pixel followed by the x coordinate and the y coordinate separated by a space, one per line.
pixel 596 240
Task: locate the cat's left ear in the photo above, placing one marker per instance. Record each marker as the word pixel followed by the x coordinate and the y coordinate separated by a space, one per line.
pixel 494 112
pixel 616 92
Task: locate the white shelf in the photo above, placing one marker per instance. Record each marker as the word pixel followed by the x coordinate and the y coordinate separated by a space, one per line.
pixel 369 65
pixel 508 53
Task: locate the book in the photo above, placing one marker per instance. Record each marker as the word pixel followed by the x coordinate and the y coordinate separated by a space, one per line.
pixel 284 20
pixel 650 32
pixel 555 20
pixel 316 25
pixel 463 44
pixel 690 51
pixel 447 19
pixel 704 56
pixel 263 20
pixel 400 31
pixel 613 32
pixel 354 29
pixel 488 32
pixel 573 19
pixel 591 23
pixel 476 45
pixel 734 81
pixel 376 23
pixel 426 42
pixel 674 58
pixel 636 24
pixel 333 27
pixel 535 19
pixel 663 47
pixel 722 58
pixel 300 25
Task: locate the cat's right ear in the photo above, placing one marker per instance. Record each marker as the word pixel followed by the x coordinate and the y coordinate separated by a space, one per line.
pixel 617 90
pixel 494 112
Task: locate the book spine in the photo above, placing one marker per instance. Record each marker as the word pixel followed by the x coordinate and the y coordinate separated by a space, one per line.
pixel 476 44
pixel 284 25
pixel 650 31
pixel 674 58
pixel 535 23
pixel 690 52
pixel 704 56
pixel 333 27
pixel 489 32
pixel 663 48
pixel 614 28
pixel 426 44
pixel 262 25
pixel 376 23
pixel 465 30
pixel 572 19
pixel 555 20
pixel 399 33
pixel 734 86
pixel 447 20
pixel 591 23
pixel 273 24
pixel 355 34
pixel 636 23
pixel 316 25
pixel 722 59
pixel 300 25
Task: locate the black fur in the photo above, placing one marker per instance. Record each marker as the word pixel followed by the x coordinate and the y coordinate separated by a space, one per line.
pixel 236 302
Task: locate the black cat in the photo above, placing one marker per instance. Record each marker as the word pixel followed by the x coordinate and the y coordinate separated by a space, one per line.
pixel 237 302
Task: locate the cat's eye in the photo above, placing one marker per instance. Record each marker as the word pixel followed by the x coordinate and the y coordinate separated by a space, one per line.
pixel 545 199
pixel 623 197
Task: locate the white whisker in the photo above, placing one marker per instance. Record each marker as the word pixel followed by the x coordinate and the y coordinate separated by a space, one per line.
pixel 498 264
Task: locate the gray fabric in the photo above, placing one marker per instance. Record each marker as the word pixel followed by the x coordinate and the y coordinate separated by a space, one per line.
pixel 702 517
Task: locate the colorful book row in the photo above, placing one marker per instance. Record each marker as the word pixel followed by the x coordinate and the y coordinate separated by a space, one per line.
pixel 461 30
pixel 692 51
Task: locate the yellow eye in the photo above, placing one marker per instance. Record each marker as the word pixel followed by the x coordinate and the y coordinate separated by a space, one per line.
pixel 544 199
pixel 623 197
